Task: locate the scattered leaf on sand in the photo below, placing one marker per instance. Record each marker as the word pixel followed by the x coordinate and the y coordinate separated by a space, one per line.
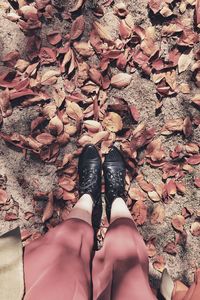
pixel 121 80
pixel 158 215
pixel 139 212
pixel 178 222
pixel 49 208
pixel 78 27
pixel 3 197
pixel 159 263
pixel 113 122
pixel 195 229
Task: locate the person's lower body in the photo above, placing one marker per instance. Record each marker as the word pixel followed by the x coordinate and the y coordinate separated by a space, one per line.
pixel 58 266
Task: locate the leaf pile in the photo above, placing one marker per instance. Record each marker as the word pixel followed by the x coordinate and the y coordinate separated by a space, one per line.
pixel 72 95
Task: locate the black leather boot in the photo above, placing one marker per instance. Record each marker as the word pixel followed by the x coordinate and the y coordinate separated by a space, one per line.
pixel 89 169
pixel 114 175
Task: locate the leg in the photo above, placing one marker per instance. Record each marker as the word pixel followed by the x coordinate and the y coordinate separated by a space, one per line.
pixel 120 268
pixel 57 266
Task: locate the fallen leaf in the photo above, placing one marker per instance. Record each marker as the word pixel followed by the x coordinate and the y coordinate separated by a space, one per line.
pixel 146 186
pixel 153 195
pixel 158 215
pixel 77 6
pixel 113 122
pixel 159 263
pixel 196 100
pixel 74 111
pixel 67 184
pixel 184 61
pixel 178 222
pixel 121 80
pixel 77 28
pixel 49 208
pixel 83 48
pixel 139 212
pixel 5 105
pixel 54 38
pixel 55 126
pixel 45 138
pixel 49 77
pixel 170 248
pixel 134 112
pixel 187 127
pixel 11 216
pixel 195 229
pixel 102 32
pixel 136 194
pixel 197 182
pixel 193 160
pixel 92 126
pixel 151 249
pixel 170 187
pixel 3 196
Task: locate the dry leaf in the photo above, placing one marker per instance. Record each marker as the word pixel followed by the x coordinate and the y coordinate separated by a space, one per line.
pixel 170 248
pixel 83 48
pixel 11 216
pixel 184 61
pixel 154 196
pixel 74 111
pixel 113 122
pixel 139 212
pixel 159 263
pixel 158 215
pixel 196 100
pixel 197 182
pixel 134 113
pixel 146 186
pixel 54 38
pixel 49 77
pixel 3 196
pixel 170 187
pixel 121 80
pixel 187 127
pixel 193 160
pixel 5 105
pixel 102 32
pixel 195 229
pixel 45 138
pixel 55 126
pixel 136 194
pixel 92 126
pixel 178 222
pixel 49 208
pixel 78 27
pixel 151 249
pixel 77 6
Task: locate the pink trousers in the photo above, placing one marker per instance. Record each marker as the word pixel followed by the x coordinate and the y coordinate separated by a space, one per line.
pixel 62 265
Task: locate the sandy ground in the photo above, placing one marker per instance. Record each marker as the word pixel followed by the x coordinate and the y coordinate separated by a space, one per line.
pixel 24 176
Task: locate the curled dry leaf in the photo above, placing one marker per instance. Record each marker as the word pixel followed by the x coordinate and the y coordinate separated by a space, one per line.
pixel 54 38
pixel 55 126
pixel 196 100
pixel 153 195
pixel 187 127
pixel 197 182
pixel 49 208
pixel 146 186
pixel 151 249
pixel 136 194
pixel 184 61
pixel 158 215
pixel 139 212
pixel 178 221
pixel 197 14
pixel 134 112
pixel 49 77
pixel 174 125
pixel 74 111
pixel 170 187
pixel 195 229
pixel 83 48
pixel 5 105
pixel 67 184
pixel 194 159
pixel 11 216
pixel 47 56
pixel 120 9
pixel 121 80
pixel 3 196
pixel 170 248
pixel 113 122
pixel 102 32
pixel 92 126
pixel 159 263
pixel 45 138
pixel 99 137
pixel 77 6
pixel 78 27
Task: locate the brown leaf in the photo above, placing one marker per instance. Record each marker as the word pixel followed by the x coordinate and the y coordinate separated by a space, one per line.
pixel 180 187
pixel 187 127
pixel 153 195
pixel 174 125
pixel 99 137
pixel 184 61
pixel 158 215
pixel 159 263
pixel 136 194
pixel 195 229
pixel 68 196
pixel 113 122
pixel 178 222
pixel 170 248
pixel 54 38
pixel 196 99
pixel 95 76
pixel 77 28
pixel 45 138
pixel 49 77
pixel 146 186
pixel 92 126
pixel 67 183
pixel 197 182
pixel 77 6
pixel 49 208
pixel 11 216
pixel 5 105
pixel 134 113
pixel 83 48
pixel 47 56
pixel 124 30
pixel 21 65
pixel 139 212
pixel 151 249
pixel 102 32
pixel 74 111
pixel 121 80
pixel 193 160
pixel 170 187
pixel 3 196
pixel 55 126
pixel 197 14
